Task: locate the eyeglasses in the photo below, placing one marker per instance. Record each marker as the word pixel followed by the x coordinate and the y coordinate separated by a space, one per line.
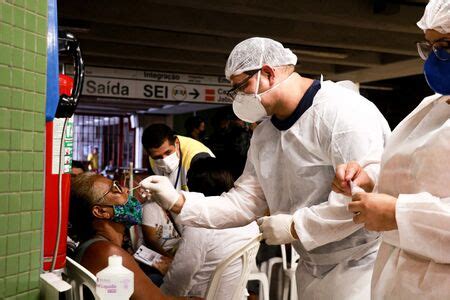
pixel 240 86
pixel 115 188
pixel 425 48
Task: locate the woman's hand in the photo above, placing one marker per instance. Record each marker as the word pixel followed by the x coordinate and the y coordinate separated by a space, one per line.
pixel 376 211
pixel 354 172
pixel 163 264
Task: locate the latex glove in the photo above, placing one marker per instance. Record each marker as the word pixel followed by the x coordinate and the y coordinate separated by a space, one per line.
pixel 161 190
pixel 276 230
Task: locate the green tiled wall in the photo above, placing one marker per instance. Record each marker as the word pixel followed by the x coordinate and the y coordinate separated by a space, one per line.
pixel 23 30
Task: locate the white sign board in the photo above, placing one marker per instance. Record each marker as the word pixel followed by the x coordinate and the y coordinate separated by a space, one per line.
pixel 151 85
pixel 63 159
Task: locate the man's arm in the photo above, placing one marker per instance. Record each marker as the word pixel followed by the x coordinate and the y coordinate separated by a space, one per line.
pixel 151 239
pixel 240 206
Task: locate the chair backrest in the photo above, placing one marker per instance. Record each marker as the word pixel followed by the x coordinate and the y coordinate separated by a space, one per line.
pixel 78 276
pixel 248 254
pixel 294 257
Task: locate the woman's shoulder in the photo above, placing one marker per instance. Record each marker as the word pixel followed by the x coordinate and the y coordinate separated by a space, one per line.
pixel 95 257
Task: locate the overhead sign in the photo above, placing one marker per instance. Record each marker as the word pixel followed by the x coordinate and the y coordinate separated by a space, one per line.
pixel 151 85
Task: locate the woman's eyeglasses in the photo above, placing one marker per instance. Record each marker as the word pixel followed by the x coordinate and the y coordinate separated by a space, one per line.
pixel 115 188
pixel 241 86
pixel 441 49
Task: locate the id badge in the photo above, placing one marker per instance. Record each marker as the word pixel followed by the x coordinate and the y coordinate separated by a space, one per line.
pixel 167 231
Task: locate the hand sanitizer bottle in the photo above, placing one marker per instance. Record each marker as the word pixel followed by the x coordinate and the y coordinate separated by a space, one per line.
pixel 115 281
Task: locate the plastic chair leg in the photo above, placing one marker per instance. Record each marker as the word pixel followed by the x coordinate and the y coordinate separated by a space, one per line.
pixel 286 283
pixel 293 286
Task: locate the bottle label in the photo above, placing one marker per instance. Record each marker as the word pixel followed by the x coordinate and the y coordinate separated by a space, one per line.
pixel 114 286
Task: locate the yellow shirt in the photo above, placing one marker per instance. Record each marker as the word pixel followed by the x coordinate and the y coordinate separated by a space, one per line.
pixel 93 161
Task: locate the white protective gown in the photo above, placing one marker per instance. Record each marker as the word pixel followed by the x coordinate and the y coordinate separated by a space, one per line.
pixel 290 171
pixel 414 261
pixel 200 251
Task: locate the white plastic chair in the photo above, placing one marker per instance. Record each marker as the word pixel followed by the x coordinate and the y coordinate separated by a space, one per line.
pixel 263 283
pixel 248 255
pixel 78 276
pixel 289 273
pixel 267 267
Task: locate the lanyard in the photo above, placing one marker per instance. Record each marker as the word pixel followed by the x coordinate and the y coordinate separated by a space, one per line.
pixel 179 169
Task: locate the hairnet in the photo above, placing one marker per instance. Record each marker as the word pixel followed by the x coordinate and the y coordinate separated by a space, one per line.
pixel 253 53
pixel 436 16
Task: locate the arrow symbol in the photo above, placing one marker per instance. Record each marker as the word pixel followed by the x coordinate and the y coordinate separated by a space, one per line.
pixel 195 93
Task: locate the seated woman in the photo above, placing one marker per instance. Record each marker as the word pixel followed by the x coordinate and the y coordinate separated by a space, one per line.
pixel 100 212
pixel 201 249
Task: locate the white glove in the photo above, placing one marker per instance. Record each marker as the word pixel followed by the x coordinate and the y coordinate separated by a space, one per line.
pixel 161 190
pixel 276 230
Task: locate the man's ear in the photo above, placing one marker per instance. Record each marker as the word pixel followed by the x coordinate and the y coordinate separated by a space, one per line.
pixel 101 213
pixel 269 72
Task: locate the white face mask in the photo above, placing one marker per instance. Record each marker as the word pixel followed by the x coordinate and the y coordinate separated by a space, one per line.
pixel 248 107
pixel 168 164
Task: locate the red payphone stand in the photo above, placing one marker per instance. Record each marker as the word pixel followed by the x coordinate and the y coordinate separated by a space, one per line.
pixel 56 210
pixel 62 95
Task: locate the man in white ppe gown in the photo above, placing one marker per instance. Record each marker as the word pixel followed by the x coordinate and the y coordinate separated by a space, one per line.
pixel 412 199
pixel 314 126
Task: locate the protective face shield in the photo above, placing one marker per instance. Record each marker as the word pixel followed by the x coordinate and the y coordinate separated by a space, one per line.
pixel 248 107
pixel 129 213
pixel 168 164
pixel 437 71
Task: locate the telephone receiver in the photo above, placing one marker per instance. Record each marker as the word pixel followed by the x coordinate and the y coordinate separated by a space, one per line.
pixel 69 46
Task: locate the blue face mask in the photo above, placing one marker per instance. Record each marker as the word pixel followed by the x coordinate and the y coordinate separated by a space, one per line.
pixel 437 72
pixel 129 213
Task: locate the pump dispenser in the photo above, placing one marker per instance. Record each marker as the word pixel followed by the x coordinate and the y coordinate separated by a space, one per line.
pixel 115 281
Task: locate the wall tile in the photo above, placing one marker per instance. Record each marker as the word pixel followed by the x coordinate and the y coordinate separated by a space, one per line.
pixel 2 267
pixel 16 161
pixel 5 96
pixel 5 75
pixel 5 118
pixel 14 222
pixel 2 246
pixel 24 262
pixel 25 242
pixel 26 201
pixel 6 52
pixel 4 161
pixel 12 265
pixel 16 120
pixel 23 32
pixel 14 206
pixel 10 285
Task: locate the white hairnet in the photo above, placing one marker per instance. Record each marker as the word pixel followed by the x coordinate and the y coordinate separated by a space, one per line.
pixel 436 16
pixel 253 53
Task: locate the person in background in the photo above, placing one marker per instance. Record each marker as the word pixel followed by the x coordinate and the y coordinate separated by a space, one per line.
pixel 93 160
pixel 308 128
pixel 109 170
pixel 411 201
pixel 201 249
pixel 195 128
pixel 171 156
pixel 100 212
pixel 217 140
pixel 236 146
